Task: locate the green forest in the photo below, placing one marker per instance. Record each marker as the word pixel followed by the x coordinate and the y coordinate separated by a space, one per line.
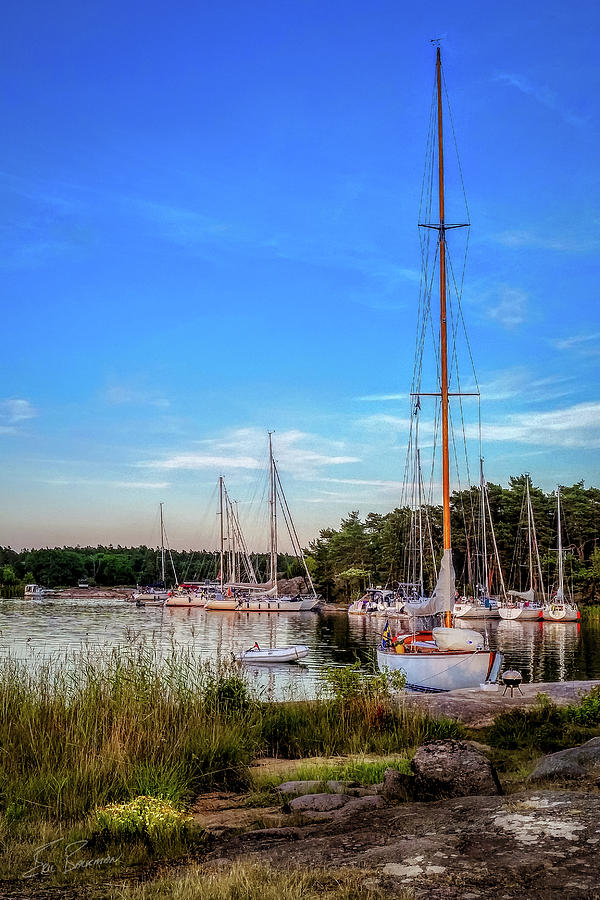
pixel 373 550
pixel 362 551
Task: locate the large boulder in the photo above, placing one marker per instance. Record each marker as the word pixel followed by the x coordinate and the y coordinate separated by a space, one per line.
pixel 398 787
pixel 453 769
pixel 576 762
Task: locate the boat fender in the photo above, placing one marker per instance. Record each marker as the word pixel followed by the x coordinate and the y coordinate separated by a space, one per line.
pixel 400 648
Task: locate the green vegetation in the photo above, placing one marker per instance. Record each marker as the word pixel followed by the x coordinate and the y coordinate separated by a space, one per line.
pixel 363 771
pixel 112 566
pixel 546 727
pixel 79 734
pixel 344 560
pixel 149 819
pixel 247 881
pixel 112 750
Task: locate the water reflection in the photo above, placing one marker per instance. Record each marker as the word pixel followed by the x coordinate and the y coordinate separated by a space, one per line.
pixel 541 651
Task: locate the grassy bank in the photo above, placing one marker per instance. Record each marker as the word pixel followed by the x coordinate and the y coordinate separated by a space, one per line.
pixel 78 734
pixel 111 750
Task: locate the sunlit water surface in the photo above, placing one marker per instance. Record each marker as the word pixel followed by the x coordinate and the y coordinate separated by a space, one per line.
pixel 57 628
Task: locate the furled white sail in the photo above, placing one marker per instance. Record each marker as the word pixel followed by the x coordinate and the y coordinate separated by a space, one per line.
pixel 529 595
pixel 442 599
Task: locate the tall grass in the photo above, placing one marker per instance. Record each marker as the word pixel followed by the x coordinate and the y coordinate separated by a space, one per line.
pixel 82 732
pixel 247 881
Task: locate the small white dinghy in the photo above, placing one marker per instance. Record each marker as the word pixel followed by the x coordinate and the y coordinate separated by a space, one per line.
pixel 257 654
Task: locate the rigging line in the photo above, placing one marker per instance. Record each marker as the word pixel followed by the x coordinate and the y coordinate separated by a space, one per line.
pixel 462 181
pixel 462 320
pixel 424 318
pixel 429 142
pixel 458 383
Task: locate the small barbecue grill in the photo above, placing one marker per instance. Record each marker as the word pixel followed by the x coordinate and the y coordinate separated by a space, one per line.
pixel 512 679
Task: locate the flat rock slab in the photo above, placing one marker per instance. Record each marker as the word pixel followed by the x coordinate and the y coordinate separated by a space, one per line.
pixel 536 844
pixel 575 762
pixel 321 806
pixel 318 802
pixel 479 708
pixel 298 788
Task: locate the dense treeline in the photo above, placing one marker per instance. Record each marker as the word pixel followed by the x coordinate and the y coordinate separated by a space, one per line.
pixel 374 550
pixel 112 566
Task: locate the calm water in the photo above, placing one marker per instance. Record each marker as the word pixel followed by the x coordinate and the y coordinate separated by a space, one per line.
pixel 30 630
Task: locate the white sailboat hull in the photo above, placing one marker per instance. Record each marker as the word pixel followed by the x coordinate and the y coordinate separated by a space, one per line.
pixel 520 613
pixel 275 654
pixel 475 611
pixel 151 597
pixel 186 600
pixel 270 604
pixel 561 612
pixel 309 603
pixel 443 671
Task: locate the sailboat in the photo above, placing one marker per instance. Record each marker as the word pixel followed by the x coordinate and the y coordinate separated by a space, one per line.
pixel 155 596
pixel 218 594
pixel 483 606
pixel 523 605
pixel 253 597
pixel 443 658
pixel 560 608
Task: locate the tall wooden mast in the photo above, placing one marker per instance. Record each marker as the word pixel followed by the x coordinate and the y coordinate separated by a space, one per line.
pixel 162 549
pixel 273 506
pixel 221 555
pixel 443 327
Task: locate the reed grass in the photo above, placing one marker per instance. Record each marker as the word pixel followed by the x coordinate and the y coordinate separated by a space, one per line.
pixel 247 881
pixel 77 734
pixel 81 732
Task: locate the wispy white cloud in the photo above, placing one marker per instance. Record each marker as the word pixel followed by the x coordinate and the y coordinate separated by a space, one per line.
pixel 506 305
pixel 202 461
pixel 103 482
pixel 245 448
pixel 520 382
pixel 16 409
pixel 541 93
pixel 580 343
pixel 576 426
pixel 120 394
pixel 368 482
pixel 523 238
pixel 381 397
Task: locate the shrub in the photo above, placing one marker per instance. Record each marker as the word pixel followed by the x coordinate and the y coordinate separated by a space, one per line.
pixel 150 819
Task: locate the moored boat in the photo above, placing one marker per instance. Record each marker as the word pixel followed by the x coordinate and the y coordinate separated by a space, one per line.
pixel 37 592
pixel 445 658
pixel 258 654
pixel 155 595
pixel 560 608
pixel 476 608
pixel 523 605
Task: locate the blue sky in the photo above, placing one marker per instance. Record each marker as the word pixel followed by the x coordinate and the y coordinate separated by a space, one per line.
pixel 209 231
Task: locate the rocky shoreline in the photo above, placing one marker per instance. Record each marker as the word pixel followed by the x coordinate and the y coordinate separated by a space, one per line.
pixel 477 708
